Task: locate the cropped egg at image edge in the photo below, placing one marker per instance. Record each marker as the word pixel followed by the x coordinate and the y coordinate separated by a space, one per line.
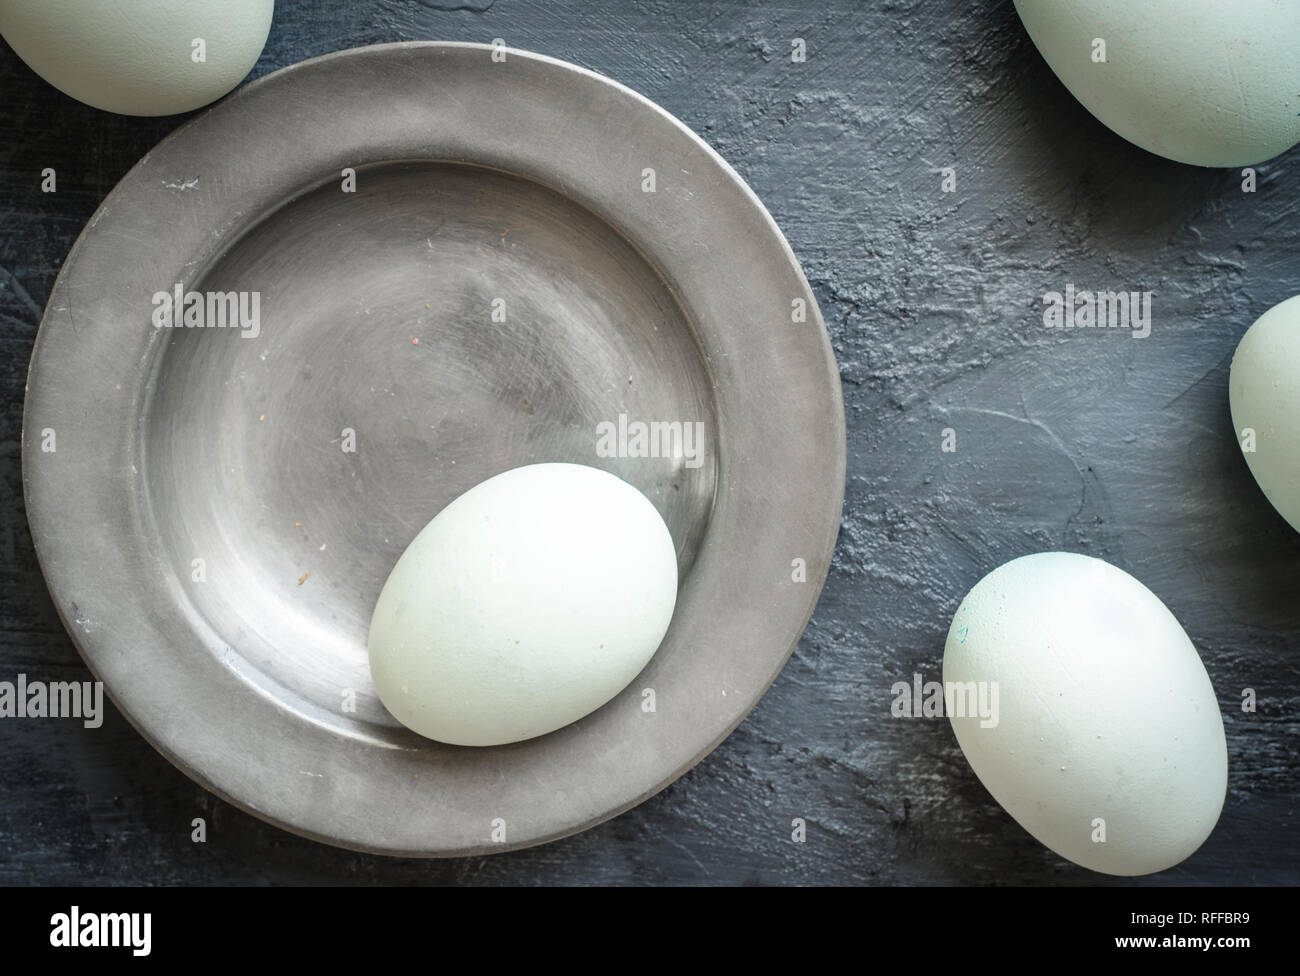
pixel 652 443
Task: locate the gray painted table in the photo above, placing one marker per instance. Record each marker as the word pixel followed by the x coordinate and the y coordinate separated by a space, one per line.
pixel 1091 442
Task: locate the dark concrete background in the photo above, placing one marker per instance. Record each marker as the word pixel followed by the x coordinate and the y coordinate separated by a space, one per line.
pixel 1089 442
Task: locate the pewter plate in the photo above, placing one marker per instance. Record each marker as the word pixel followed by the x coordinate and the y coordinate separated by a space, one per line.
pixel 216 509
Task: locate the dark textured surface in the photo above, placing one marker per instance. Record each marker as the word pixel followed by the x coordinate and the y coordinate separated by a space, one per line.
pixel 1092 442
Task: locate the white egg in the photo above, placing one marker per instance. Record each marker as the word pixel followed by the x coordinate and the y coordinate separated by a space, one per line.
pixel 1206 82
pixel 1106 742
pixel 1264 395
pixel 139 57
pixel 528 602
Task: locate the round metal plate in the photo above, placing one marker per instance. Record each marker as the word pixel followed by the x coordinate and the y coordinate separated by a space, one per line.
pixel 215 509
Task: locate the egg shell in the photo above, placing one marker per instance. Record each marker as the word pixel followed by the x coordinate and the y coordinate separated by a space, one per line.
pixel 1104 713
pixel 136 57
pixel 527 603
pixel 1264 397
pixel 1205 82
